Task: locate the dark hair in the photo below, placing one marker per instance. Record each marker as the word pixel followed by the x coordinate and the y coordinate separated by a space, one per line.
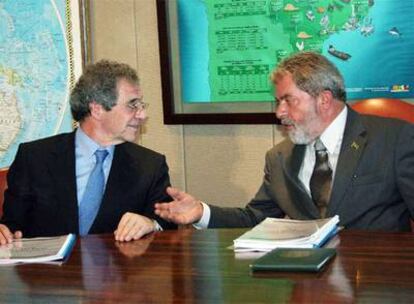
pixel 99 84
pixel 312 73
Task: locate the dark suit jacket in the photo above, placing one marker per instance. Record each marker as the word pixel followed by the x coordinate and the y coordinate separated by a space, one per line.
pixel 373 186
pixel 41 199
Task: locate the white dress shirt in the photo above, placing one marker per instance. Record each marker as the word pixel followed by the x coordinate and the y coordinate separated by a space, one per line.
pixel 332 140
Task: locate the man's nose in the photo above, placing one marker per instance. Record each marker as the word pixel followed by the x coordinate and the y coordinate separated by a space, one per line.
pixel 281 109
pixel 142 114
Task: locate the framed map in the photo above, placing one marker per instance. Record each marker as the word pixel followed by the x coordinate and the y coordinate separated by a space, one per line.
pixel 41 56
pixel 217 55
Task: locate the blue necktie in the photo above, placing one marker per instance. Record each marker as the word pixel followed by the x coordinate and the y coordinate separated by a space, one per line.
pixel 92 197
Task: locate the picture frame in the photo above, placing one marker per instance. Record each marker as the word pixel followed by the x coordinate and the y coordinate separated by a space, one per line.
pixel 176 111
pixel 85 31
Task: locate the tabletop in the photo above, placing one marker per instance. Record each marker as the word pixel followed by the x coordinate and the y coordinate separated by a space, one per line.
pixel 197 266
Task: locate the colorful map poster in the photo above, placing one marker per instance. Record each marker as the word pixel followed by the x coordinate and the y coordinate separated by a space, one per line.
pixel 40 58
pixel 228 47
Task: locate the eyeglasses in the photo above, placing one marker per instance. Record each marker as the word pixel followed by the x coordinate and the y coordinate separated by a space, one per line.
pixel 138 106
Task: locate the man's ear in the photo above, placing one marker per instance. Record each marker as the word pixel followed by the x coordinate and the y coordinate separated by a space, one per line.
pixel 96 109
pixel 325 99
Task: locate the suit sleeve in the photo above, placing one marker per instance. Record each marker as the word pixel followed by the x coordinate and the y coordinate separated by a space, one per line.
pixel 404 165
pixel 260 207
pixel 17 197
pixel 157 193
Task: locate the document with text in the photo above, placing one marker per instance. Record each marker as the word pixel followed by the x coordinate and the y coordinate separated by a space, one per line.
pixel 285 233
pixel 37 250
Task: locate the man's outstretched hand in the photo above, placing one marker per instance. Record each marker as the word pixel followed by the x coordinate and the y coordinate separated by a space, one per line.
pixel 184 209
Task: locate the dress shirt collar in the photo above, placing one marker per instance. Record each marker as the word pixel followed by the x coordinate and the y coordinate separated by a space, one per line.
pixel 87 146
pixel 335 131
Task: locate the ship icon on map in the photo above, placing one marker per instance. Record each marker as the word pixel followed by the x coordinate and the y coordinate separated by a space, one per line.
pixel 394 32
pixel 338 54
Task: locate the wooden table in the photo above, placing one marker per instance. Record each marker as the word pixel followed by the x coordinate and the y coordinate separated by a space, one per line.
pixel 188 266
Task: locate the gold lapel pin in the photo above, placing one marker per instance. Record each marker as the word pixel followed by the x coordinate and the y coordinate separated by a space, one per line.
pixel 354 145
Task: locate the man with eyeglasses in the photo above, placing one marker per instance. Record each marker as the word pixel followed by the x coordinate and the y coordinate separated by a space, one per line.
pixel 95 179
pixel 335 160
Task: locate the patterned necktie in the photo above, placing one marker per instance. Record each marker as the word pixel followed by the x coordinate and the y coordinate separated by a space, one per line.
pixel 321 179
pixel 92 197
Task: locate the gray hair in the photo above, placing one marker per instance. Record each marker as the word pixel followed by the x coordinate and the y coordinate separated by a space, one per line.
pixel 312 73
pixel 99 84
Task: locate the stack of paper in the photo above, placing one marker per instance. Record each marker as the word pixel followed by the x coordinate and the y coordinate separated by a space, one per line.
pixel 284 233
pixel 37 250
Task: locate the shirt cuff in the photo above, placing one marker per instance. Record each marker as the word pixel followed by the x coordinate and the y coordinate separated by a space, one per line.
pixel 205 218
pixel 157 226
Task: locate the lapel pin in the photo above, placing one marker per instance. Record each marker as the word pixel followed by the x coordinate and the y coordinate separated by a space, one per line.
pixel 354 146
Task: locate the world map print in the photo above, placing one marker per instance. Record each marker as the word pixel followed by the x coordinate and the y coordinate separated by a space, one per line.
pixel 35 72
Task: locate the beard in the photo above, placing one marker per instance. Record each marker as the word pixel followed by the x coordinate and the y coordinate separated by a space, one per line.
pixel 301 133
pixel 298 135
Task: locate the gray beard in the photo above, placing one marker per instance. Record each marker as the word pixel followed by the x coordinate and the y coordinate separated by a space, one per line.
pixel 300 137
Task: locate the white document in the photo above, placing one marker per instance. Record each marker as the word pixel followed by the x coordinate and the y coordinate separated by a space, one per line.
pixel 37 250
pixel 284 233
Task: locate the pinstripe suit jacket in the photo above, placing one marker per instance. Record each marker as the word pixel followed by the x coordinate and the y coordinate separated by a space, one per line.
pixel 373 186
